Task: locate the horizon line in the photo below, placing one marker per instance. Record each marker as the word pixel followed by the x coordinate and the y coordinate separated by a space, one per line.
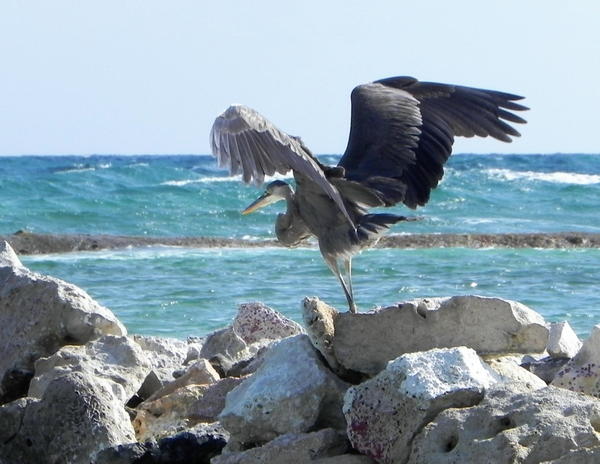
pixel 12 155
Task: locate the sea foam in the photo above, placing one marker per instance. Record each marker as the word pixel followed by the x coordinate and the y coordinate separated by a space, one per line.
pixel 555 177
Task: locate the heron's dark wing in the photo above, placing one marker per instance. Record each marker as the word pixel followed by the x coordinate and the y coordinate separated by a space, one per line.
pixel 247 143
pixel 402 132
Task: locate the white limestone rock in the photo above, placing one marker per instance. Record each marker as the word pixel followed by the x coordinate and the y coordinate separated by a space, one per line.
pixel 166 355
pixel 385 412
pixel 291 392
pixel 508 368
pixel 563 342
pixel 74 420
pixel 182 408
pixel 119 361
pixel 199 373
pixel 39 314
pixel 297 448
pixel 509 427
pixel 365 342
pixel 582 373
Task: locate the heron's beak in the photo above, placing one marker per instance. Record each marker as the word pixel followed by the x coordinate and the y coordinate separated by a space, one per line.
pixel 262 201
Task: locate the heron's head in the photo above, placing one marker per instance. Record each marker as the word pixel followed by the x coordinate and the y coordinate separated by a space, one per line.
pixel 275 191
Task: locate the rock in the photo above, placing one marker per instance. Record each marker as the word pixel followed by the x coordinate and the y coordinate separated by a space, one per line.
pixel 194 347
pixel 224 349
pixel 291 392
pixel 579 456
pixel 345 459
pixel 562 341
pixel 545 368
pixel 184 407
pixel 256 322
pixel 297 448
pixel 510 371
pixel 254 327
pixel 199 373
pixel 166 355
pixel 508 427
pixel 117 360
pixel 319 320
pixel 582 373
pixel 73 421
pixel 38 315
pixel 365 342
pixel 385 412
pixel 197 445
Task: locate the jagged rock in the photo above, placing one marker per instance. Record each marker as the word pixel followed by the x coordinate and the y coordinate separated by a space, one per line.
pixel 510 371
pixel 256 322
pixel 365 342
pixel 579 456
pixel 319 320
pixel 166 355
pixel 194 347
pixel 291 392
pixel 117 360
pixel 545 368
pixel 73 421
pixel 254 327
pixel 297 448
pixel 184 407
pixel 384 412
pixel 199 373
pixel 38 315
pixel 582 373
pixel 197 445
pixel 224 348
pixel 345 459
pixel 508 427
pixel 562 341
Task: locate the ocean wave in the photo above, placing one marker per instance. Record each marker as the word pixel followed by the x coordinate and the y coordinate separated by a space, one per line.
pixel 216 179
pixel 83 168
pixel 558 177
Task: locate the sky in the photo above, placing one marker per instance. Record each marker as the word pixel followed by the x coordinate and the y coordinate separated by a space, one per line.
pixel 149 76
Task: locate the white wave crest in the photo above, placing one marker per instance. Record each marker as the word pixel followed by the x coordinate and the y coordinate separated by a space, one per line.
pixel 555 177
pixel 84 168
pixel 211 180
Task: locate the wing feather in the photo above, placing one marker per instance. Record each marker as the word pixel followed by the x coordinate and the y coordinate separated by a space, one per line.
pixel 402 131
pixel 245 142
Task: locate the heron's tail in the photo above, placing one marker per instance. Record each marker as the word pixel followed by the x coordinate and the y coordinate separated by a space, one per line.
pixel 372 226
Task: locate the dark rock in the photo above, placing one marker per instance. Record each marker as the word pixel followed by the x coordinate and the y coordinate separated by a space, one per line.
pixel 198 445
pixel 15 384
pixel 545 368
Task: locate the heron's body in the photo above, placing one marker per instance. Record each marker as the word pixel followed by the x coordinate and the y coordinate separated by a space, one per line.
pixel 401 135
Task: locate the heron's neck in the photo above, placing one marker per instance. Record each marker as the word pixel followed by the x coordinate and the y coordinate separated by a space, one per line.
pixel 289 196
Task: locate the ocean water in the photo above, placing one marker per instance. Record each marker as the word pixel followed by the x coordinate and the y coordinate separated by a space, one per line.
pixel 178 292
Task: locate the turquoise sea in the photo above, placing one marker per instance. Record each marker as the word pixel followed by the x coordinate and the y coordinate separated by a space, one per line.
pixel 178 292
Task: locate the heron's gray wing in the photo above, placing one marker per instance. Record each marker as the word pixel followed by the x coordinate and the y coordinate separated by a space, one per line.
pixel 247 143
pixel 402 132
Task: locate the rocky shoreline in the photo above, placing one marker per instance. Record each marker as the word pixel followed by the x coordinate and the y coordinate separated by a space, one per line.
pixel 27 243
pixel 462 379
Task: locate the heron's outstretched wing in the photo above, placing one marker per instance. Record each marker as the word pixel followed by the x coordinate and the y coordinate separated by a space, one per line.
pixel 402 132
pixel 247 143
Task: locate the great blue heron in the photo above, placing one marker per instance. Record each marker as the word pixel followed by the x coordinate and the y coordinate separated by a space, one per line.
pixel 401 134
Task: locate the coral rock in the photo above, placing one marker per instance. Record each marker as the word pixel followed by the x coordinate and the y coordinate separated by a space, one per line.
pixel 508 427
pixel 289 393
pixel 384 413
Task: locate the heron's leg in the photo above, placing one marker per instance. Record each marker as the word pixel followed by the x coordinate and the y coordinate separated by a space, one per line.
pixel 348 266
pixel 333 265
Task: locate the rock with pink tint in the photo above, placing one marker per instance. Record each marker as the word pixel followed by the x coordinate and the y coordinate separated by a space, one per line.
pixel 384 413
pixel 256 322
